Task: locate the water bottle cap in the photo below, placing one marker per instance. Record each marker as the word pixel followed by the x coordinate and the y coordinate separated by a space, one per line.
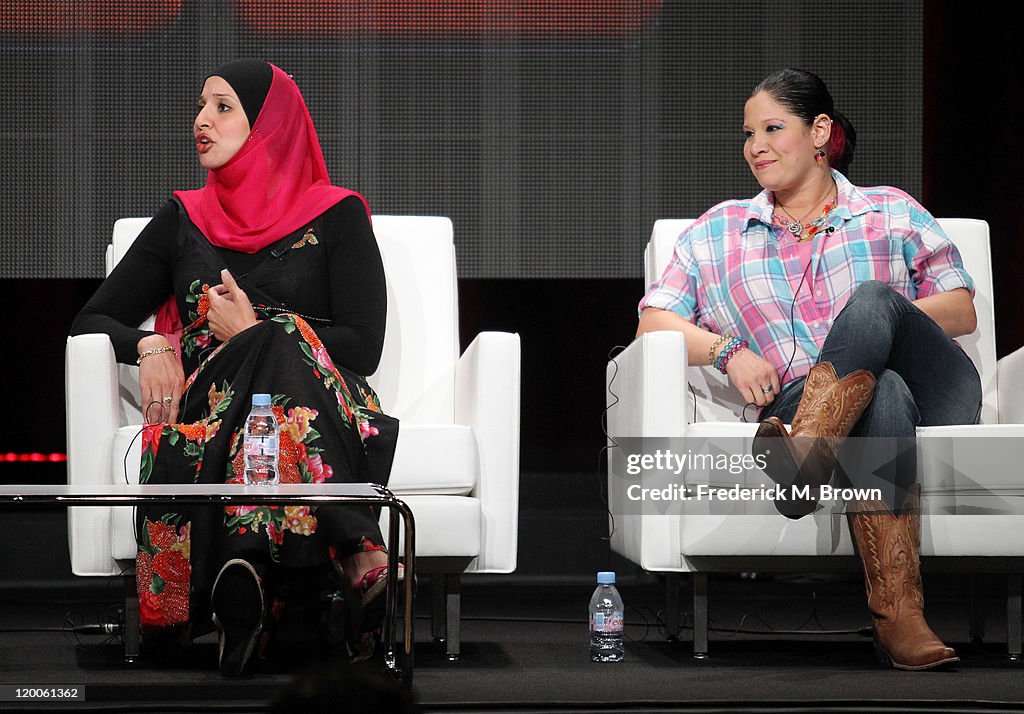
pixel 606 578
pixel 261 400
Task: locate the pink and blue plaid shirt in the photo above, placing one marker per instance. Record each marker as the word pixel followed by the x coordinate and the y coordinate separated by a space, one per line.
pixel 732 270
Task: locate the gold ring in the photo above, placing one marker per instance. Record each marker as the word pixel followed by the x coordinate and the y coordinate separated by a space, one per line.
pixel 167 401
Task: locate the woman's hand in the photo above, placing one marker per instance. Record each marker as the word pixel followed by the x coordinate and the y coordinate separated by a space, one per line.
pixel 230 310
pixel 161 381
pixel 752 375
pixel 748 372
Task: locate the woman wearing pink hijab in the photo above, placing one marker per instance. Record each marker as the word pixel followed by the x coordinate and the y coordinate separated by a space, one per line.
pixel 266 280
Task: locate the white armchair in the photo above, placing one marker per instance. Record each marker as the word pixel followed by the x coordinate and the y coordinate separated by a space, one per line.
pixel 457 459
pixel 653 393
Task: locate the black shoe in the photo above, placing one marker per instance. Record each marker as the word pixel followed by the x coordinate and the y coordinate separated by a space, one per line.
pixel 238 614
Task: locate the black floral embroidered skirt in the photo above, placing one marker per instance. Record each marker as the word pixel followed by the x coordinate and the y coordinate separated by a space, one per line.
pixel 332 430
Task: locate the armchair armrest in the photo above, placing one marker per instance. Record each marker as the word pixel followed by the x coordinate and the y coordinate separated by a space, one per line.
pixel 1010 383
pixel 646 387
pixel 487 386
pixel 646 393
pixel 90 378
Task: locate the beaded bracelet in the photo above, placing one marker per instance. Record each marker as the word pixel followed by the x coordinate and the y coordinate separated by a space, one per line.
pixel 154 351
pixel 730 341
pixel 720 341
pixel 729 351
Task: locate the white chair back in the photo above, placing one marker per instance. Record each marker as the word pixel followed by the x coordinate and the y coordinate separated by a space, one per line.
pixel 126 230
pixel 416 376
pixel 415 379
pixel 658 253
pixel 971 238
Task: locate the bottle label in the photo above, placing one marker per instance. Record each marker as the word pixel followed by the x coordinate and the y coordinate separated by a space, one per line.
pixel 260 446
pixel 611 623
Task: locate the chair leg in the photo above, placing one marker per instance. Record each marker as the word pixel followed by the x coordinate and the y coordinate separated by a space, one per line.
pixel 1013 617
pixel 452 606
pixel 438 619
pixel 444 612
pixel 672 605
pixel 131 619
pixel 977 610
pixel 700 615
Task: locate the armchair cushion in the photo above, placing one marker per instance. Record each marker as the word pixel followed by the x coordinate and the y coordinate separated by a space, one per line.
pixel 435 458
pixel 446 526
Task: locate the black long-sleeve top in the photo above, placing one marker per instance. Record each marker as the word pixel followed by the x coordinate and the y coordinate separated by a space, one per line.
pixel 337 279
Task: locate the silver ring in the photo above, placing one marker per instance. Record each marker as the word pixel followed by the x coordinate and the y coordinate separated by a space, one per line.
pixel 767 390
pixel 167 401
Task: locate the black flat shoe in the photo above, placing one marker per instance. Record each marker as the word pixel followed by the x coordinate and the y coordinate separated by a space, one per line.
pixel 238 613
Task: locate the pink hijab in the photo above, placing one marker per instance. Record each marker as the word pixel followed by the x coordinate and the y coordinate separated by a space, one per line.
pixel 274 185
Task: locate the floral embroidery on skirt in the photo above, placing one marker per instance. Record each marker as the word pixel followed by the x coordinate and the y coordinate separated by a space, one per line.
pixel 332 430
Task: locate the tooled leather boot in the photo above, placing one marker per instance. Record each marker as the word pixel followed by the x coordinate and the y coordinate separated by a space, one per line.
pixel 889 548
pixel 805 457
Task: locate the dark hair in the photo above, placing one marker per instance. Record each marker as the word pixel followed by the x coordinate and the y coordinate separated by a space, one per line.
pixel 805 95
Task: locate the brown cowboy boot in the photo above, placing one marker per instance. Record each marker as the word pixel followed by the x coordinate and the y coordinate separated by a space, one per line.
pixel 889 548
pixel 805 457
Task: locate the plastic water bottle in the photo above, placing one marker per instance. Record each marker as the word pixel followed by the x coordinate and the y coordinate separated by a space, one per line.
pixel 261 443
pixel 606 621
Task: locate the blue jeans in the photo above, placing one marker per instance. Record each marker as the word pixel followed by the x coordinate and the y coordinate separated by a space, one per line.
pixel 923 379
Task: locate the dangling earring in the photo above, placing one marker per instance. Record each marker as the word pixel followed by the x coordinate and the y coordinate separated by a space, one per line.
pixel 819 156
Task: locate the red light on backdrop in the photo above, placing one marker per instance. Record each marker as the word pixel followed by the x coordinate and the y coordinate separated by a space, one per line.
pixel 409 18
pixel 103 17
pixel 401 18
pixel 33 458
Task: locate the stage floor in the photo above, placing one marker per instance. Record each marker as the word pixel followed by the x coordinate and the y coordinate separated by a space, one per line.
pixel 525 649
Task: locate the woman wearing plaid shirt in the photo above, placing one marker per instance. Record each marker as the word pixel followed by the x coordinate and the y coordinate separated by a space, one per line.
pixel 832 308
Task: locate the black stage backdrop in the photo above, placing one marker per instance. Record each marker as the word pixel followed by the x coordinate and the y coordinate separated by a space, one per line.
pixel 971 164
pixel 552 132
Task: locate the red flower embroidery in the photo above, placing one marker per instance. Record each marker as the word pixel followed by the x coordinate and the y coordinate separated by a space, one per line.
pixel 151 438
pixel 238 469
pixel 161 535
pixel 275 535
pixel 172 567
pixel 175 602
pixel 150 613
pixel 287 463
pixel 308 335
pixel 204 301
pixel 163 580
pixel 193 432
pixel 143 571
